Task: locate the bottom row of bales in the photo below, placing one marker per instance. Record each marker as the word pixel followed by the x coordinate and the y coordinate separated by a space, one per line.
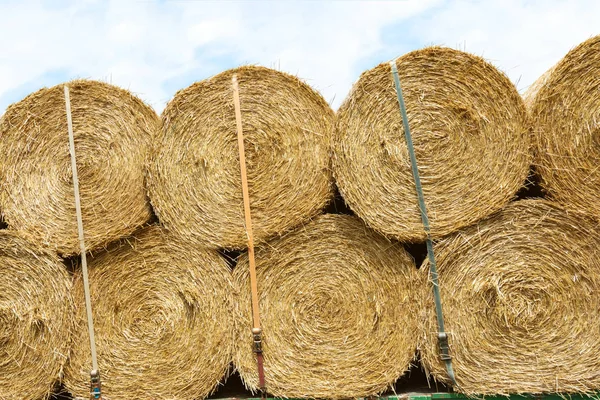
pixel 521 298
pixel 343 312
pixel 162 320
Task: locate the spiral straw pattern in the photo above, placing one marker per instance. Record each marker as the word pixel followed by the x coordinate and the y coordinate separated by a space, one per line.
pixel 471 137
pixel 36 319
pixel 195 185
pixel 113 131
pixel 162 313
pixel 338 312
pixel 521 305
pixel 565 111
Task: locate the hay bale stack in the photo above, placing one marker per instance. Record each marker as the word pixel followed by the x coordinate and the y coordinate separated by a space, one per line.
pixel 470 134
pixel 112 131
pixel 520 298
pixel 337 310
pixel 36 319
pixel 565 111
pixel 195 185
pixel 163 322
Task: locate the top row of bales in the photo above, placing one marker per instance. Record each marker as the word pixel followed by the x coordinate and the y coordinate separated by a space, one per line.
pixel 471 130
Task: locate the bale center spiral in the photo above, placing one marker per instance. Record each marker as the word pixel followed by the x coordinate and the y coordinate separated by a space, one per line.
pixel 194 181
pixel 162 313
pixel 471 139
pixel 337 311
pixel 112 132
pixel 519 293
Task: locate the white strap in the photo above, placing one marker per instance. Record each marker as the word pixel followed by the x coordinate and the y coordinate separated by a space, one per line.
pixel 86 285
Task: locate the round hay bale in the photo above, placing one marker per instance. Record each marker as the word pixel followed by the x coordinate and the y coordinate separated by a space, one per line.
pixel 163 321
pixel 337 310
pixel 36 319
pixel 534 88
pixel 565 113
pixel 470 133
pixel 112 131
pixel 520 298
pixel 195 184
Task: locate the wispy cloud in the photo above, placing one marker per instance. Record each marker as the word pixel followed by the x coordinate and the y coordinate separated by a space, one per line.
pixel 523 38
pixel 155 48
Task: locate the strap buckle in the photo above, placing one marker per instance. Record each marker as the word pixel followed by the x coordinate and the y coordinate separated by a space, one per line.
pixel 444 346
pixel 257 340
pixel 257 348
pixel 95 385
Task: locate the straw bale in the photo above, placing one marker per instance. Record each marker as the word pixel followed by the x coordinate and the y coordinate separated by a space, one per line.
pixel 36 319
pixel 112 131
pixel 163 322
pixel 471 139
pixel 337 310
pixel 534 88
pixel 195 184
pixel 521 305
pixel 565 113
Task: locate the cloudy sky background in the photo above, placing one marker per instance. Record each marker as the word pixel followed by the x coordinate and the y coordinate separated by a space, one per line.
pixel 155 48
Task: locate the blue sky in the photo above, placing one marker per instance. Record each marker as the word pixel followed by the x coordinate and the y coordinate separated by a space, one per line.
pixel 155 48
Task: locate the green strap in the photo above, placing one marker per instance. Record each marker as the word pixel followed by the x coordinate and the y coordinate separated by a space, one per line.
pixel 442 335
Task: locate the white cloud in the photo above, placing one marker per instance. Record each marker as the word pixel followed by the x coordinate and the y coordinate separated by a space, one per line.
pixel 150 47
pixel 141 45
pixel 523 38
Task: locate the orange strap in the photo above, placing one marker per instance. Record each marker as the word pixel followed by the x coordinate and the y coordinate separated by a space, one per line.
pixel 256 330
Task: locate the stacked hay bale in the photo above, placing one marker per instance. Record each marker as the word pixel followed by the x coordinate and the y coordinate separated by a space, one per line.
pixel 36 319
pixel 113 131
pixel 337 308
pixel 471 139
pixel 194 181
pixel 340 304
pixel 520 296
pixel 162 313
pixel 565 111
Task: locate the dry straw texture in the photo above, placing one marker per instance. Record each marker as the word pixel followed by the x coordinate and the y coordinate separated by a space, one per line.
pixel 565 110
pixel 520 297
pixel 195 184
pixel 470 133
pixel 532 91
pixel 337 308
pixel 162 313
pixel 112 136
pixel 36 319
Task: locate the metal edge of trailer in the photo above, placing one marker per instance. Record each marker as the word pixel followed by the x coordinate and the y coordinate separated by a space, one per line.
pixel 458 396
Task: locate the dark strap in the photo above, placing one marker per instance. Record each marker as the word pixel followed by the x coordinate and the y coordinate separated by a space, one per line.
pixel 261 373
pixel 442 335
